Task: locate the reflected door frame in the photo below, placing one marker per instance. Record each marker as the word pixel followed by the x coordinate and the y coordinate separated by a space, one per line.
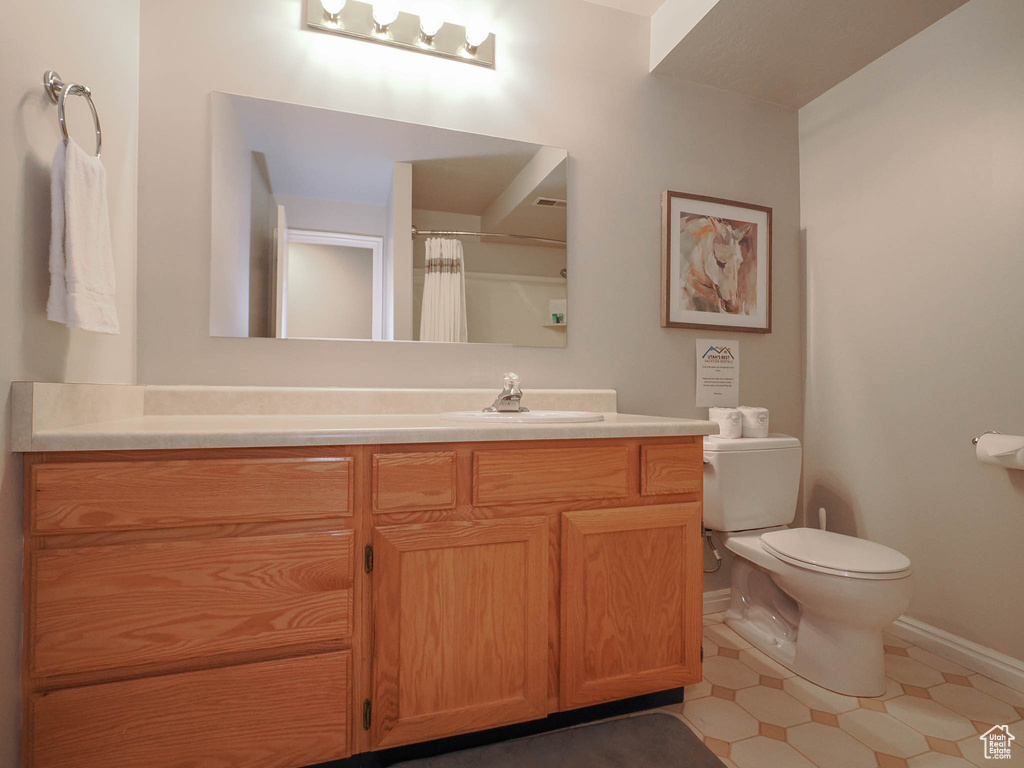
pixel 372 243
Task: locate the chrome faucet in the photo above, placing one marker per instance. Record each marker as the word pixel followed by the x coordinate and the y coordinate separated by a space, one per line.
pixel 509 399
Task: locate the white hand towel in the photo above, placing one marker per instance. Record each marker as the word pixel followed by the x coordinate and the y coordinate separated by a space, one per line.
pixel 56 305
pixel 88 275
pixel 755 421
pixel 729 421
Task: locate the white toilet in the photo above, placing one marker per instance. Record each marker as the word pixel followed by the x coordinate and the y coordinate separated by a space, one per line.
pixel 814 601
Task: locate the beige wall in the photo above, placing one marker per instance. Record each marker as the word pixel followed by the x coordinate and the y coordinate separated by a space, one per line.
pixel 570 74
pixel 231 211
pixel 912 184
pixel 97 44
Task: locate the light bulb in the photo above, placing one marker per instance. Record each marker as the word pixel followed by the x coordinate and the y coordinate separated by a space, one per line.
pixel 332 8
pixel 430 25
pixel 475 37
pixel 384 14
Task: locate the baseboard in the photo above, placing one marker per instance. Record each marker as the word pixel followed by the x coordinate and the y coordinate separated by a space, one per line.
pixel 993 664
pixel 716 600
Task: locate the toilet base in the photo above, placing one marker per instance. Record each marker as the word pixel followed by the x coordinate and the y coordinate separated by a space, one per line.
pixel 830 652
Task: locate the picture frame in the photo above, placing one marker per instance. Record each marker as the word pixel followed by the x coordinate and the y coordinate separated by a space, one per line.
pixel 716 264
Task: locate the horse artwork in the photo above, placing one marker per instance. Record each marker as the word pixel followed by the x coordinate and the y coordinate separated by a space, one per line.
pixel 712 254
pixel 716 264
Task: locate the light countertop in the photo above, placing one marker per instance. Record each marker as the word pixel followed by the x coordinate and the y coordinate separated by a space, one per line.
pixel 233 431
pixel 72 417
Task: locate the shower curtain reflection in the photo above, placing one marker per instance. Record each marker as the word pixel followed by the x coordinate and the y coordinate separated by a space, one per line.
pixel 443 316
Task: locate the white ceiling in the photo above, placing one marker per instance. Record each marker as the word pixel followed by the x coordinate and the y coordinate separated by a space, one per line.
pixel 329 155
pixel 786 51
pixel 638 7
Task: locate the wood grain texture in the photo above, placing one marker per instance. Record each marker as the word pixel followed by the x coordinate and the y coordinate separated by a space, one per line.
pixel 408 482
pixel 460 627
pixel 72 497
pixel 278 714
pixel 133 604
pixel 550 474
pixel 631 602
pixel 671 469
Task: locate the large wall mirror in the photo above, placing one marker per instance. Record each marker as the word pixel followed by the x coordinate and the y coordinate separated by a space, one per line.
pixel 330 225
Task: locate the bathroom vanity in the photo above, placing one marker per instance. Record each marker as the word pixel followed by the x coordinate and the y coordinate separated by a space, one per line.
pixel 219 592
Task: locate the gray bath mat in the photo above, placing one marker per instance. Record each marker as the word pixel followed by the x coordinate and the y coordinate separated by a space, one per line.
pixel 646 741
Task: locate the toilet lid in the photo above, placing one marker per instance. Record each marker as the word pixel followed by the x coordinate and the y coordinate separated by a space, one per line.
pixel 834 550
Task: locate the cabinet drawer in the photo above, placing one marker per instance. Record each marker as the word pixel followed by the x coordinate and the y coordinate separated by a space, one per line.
pixel 407 482
pixel 126 605
pixel 280 713
pixel 78 497
pixel 550 474
pixel 668 469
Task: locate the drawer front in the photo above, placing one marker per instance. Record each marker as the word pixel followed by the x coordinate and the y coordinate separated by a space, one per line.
pixel 407 482
pixel 666 469
pixel 279 713
pixel 550 474
pixel 132 495
pixel 120 606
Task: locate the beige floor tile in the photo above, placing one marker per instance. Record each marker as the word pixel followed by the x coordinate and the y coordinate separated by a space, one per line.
pixel 827 746
pixel 723 635
pixel 890 639
pixel 697 690
pixel 770 705
pixel 892 690
pixel 974 704
pixel 763 665
pixel 1000 691
pixel 973 748
pixel 720 719
pixel 937 662
pixel 710 648
pixel 729 673
pixel 883 733
pixel 816 697
pixel 888 761
pixel 930 717
pixel 936 760
pixel 762 752
pixel 904 669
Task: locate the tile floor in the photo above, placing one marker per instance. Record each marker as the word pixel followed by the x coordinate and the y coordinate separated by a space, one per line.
pixel 754 713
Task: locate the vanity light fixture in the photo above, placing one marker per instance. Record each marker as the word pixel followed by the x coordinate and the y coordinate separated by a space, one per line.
pixel 384 14
pixel 382 22
pixel 332 8
pixel 475 37
pixel 429 27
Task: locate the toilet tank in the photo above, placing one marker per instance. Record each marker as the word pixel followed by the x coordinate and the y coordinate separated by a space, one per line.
pixel 750 482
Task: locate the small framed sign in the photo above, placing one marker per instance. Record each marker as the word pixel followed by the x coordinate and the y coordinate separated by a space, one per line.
pixel 716 264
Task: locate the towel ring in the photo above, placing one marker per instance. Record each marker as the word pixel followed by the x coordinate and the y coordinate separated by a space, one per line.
pixel 58 92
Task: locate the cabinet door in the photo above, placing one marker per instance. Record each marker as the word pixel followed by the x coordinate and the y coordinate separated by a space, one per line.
pixel 460 627
pixel 632 583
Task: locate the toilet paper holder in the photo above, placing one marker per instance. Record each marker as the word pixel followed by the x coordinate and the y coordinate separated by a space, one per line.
pixel 989 432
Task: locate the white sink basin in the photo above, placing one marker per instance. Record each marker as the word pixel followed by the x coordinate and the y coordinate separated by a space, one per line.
pixel 529 417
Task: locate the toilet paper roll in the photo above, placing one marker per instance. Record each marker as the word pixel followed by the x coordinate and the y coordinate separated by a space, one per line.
pixel 729 421
pixel 755 421
pixel 1001 450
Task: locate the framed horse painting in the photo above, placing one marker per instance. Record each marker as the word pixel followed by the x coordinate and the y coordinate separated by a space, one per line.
pixel 716 264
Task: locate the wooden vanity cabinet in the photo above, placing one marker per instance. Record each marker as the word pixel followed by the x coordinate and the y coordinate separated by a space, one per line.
pixel 284 607
pixel 189 608
pixel 631 609
pixel 461 627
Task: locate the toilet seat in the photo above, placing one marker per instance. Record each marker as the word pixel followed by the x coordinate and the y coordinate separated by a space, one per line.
pixel 836 554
